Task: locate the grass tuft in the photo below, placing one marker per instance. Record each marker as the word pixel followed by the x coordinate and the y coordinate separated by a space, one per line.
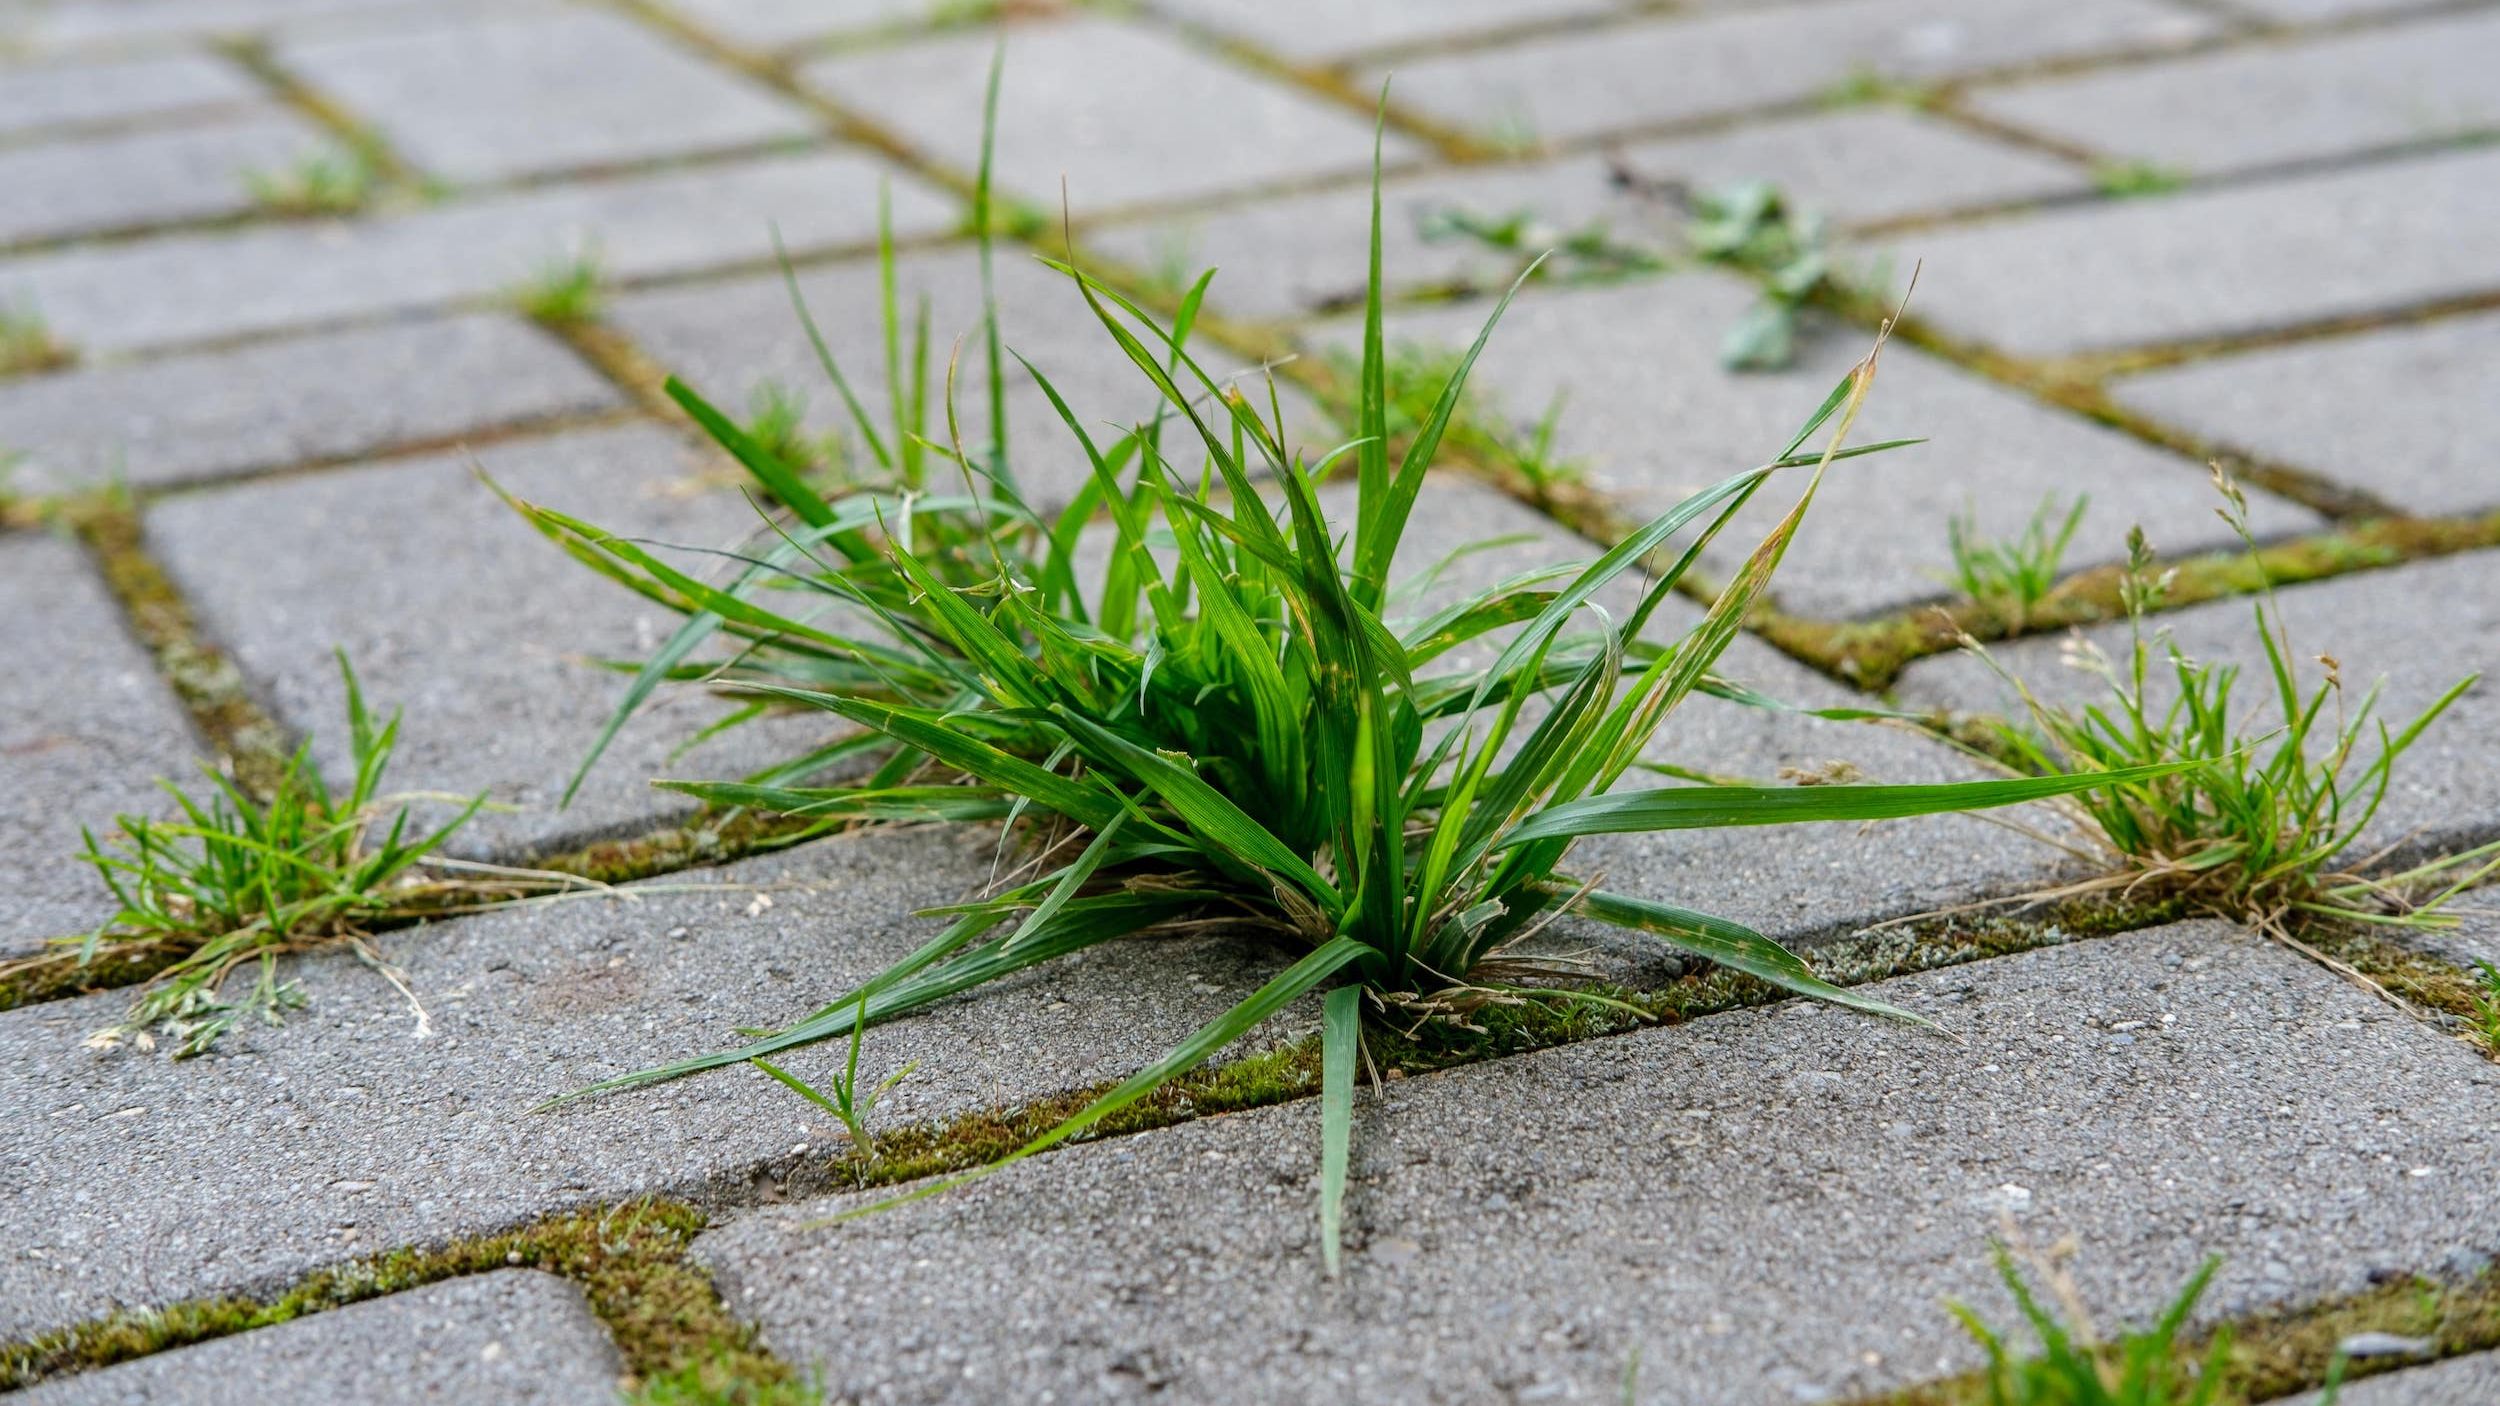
pixel 565 291
pixel 2012 578
pixel 321 183
pixel 1754 228
pixel 27 344
pixel 2129 180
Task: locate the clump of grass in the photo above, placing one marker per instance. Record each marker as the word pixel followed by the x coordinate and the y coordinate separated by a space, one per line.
pixel 2074 1368
pixel 27 343
pixel 1589 254
pixel 1754 228
pixel 2486 999
pixel 1227 728
pixel 777 422
pixel 319 183
pixel 239 880
pixel 2128 180
pixel 565 290
pixel 1867 87
pixel 2263 826
pixel 2013 577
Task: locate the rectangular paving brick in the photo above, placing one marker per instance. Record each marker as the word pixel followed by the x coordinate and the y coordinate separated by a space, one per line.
pixel 86 728
pixel 1764 1206
pixel 1125 115
pixel 2251 107
pixel 518 1335
pixel 343 1133
pixel 1859 164
pixel 36 96
pixel 186 418
pixel 2422 627
pixel 97 185
pixel 2403 413
pixel 198 287
pixel 1634 75
pixel 2462 1381
pixel 1323 31
pixel 729 339
pixel 50 24
pixel 775 23
pixel 2131 273
pixel 1652 416
pixel 539 93
pixel 2293 11
pixel 450 605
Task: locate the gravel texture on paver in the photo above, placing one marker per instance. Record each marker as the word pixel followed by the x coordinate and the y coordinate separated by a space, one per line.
pixel 198 287
pixel 2402 413
pixel 541 92
pixel 85 730
pixel 2380 238
pixel 1116 113
pixel 2332 96
pixel 1651 415
pixel 2461 1381
pixel 34 97
pixel 1330 31
pixel 772 23
pixel 2421 627
pixel 1770 1205
pixel 207 415
pixel 343 1133
pixel 517 1337
pixel 1673 68
pixel 730 339
pixel 96 185
pixel 452 607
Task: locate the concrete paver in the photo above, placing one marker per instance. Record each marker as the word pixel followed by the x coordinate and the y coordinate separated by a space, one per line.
pixel 186 418
pixel 120 90
pixel 2462 1381
pixel 773 23
pixel 1318 31
pixel 49 24
pixel 516 1336
pixel 96 185
pixel 1764 1206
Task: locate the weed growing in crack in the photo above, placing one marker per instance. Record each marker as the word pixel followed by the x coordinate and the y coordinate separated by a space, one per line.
pixel 2263 826
pixel 1588 254
pixel 2129 180
pixel 239 880
pixel 27 343
pixel 1224 728
pixel 846 1103
pixel 2486 999
pixel 777 422
pixel 2013 577
pixel 564 291
pixel 2073 1368
pixel 321 183
pixel 1753 228
pixel 1413 376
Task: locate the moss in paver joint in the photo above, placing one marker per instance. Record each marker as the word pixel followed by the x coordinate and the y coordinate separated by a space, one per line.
pixel 27 344
pixel 630 1262
pixel 2280 1352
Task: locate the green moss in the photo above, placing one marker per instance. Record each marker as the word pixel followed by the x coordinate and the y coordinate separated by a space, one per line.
pixel 2286 1351
pixel 630 1262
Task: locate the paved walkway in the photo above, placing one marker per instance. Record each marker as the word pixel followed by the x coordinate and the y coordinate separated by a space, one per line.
pixel 2150 233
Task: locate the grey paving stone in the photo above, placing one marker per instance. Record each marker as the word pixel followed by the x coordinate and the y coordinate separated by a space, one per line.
pixel 518 1336
pixel 197 287
pixel 65 95
pixel 2129 273
pixel 1297 253
pixel 69 23
pixel 100 184
pixel 1125 115
pixel 2291 11
pixel 1765 1206
pixel 2461 1381
pixel 729 339
pixel 2396 412
pixel 2422 627
pixel 1653 417
pixel 1634 75
pixel 2258 106
pixel 541 93
pixel 85 730
pixel 1860 164
pixel 1321 31
pixel 186 418
pixel 342 1134
pixel 450 605
pixel 773 23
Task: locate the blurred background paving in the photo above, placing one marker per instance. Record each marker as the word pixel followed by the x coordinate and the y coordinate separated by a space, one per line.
pixel 263 267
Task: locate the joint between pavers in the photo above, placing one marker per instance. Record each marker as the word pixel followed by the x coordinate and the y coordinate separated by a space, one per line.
pixel 364 142
pixel 630 1260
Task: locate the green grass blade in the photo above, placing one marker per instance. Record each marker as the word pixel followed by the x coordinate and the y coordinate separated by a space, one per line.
pixel 1341 1032
pixel 1731 945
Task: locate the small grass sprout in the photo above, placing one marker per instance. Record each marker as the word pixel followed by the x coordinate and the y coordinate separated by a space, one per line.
pixel 1754 228
pixel 846 1103
pixel 318 183
pixel 1413 376
pixel 1218 724
pixel 1589 254
pixel 2262 827
pixel 2486 1017
pixel 2013 577
pixel 2130 180
pixel 564 291
pixel 2074 1368
pixel 238 880
pixel 27 343
pixel 777 422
